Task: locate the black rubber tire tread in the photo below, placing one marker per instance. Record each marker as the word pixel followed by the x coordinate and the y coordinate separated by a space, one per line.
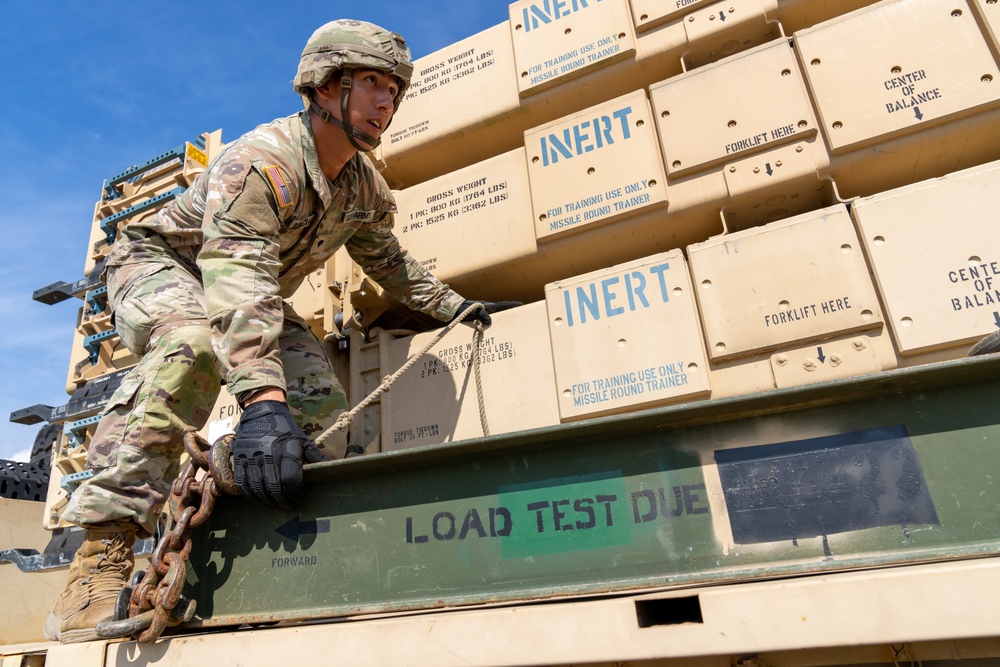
pixel 987 345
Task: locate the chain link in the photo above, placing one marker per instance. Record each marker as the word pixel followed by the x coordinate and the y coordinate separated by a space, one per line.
pixel 155 602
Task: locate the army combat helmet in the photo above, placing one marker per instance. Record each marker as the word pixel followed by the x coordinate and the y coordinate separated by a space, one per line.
pixel 345 45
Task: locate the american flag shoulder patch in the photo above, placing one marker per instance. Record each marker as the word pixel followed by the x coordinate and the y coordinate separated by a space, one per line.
pixel 278 184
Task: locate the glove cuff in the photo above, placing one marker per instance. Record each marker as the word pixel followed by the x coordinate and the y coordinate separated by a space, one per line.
pixel 267 416
pixel 264 408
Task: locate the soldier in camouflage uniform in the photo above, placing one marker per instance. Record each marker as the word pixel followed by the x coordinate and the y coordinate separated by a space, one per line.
pixel 198 292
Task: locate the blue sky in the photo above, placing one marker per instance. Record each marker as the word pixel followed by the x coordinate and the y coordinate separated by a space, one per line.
pixel 89 89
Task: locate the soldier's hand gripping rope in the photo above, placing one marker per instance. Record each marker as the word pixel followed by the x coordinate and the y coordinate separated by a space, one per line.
pixel 483 314
pixel 476 313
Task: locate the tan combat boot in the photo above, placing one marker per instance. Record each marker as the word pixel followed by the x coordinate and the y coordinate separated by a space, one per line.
pixel 100 570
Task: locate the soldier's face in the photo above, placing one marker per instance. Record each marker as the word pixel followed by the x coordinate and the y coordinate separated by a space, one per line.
pixel 370 105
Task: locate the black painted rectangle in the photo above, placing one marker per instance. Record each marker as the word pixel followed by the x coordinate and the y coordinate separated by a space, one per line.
pixel 822 486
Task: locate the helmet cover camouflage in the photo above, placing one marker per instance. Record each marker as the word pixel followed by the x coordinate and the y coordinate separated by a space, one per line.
pixel 349 44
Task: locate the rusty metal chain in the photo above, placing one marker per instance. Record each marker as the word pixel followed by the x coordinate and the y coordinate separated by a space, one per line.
pixel 154 602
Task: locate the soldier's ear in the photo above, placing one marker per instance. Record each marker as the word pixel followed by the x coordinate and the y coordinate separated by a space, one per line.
pixel 323 93
pixel 332 85
pixel 330 90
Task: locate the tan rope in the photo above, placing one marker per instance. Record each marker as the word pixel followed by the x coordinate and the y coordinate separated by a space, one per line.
pixel 346 418
pixel 477 339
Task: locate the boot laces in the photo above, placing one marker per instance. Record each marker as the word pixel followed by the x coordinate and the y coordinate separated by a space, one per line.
pixel 113 569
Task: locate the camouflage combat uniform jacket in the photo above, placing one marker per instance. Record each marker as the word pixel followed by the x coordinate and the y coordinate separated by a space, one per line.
pixel 255 224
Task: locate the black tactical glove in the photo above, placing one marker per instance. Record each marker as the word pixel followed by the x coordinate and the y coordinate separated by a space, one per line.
pixel 483 314
pixel 267 454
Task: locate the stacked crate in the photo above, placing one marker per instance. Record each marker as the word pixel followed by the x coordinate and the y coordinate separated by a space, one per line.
pixel 770 156
pixel 694 201
pixel 474 99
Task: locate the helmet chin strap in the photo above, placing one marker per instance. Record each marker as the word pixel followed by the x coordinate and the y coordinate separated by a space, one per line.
pixel 353 133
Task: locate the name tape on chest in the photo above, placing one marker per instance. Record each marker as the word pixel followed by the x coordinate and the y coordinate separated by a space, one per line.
pixel 362 216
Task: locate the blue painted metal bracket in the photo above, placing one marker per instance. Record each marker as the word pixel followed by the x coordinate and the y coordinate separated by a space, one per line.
pixel 109 225
pixel 74 431
pixel 70 482
pixel 111 184
pixel 93 343
pixel 97 300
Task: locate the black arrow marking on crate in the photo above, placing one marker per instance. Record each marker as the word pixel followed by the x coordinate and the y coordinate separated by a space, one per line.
pixel 996 318
pixel 767 168
pixel 916 112
pixel 722 16
pixel 294 529
pixel 820 355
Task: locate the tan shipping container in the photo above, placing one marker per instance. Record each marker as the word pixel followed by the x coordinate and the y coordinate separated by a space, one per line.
pixel 905 90
pixel 557 41
pixel 436 400
pixel 793 281
pixel 626 337
pixel 553 59
pixel 934 248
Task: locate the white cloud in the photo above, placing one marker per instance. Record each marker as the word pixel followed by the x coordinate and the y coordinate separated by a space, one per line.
pixel 24 455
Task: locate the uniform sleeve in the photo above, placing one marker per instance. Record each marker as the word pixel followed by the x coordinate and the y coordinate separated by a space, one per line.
pixel 240 263
pixel 374 247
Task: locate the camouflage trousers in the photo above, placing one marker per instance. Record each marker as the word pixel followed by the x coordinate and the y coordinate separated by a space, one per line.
pixel 135 451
